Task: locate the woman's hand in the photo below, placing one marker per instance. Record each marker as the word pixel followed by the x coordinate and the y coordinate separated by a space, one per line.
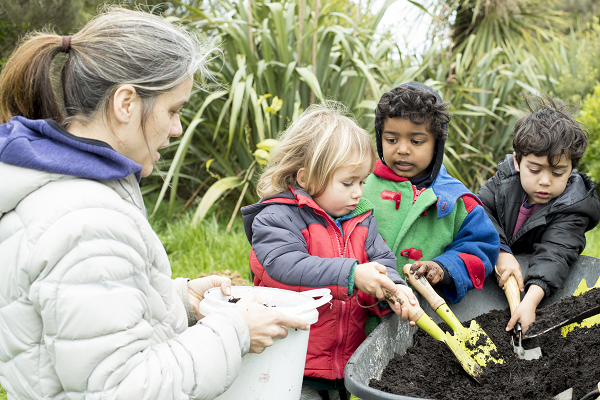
pixel 370 278
pixel 506 266
pixel 265 323
pixel 197 288
pixel 525 312
pixel 429 269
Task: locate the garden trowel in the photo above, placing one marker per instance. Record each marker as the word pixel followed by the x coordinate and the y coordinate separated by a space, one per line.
pixel 583 319
pixel 473 339
pixel 513 294
pixel 586 323
pixel 423 321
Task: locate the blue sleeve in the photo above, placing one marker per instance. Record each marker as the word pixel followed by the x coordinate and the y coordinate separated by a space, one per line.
pixel 472 255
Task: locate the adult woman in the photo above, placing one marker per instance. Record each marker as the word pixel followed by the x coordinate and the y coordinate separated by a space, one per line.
pixel 87 305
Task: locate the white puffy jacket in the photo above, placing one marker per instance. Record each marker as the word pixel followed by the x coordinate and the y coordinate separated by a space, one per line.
pixel 88 308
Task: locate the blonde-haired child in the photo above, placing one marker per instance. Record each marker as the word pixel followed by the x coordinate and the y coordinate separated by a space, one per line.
pixel 312 229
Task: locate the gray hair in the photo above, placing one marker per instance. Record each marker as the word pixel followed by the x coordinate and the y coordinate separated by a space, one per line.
pixel 119 47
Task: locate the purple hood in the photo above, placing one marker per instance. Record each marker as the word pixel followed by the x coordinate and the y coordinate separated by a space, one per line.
pixel 44 145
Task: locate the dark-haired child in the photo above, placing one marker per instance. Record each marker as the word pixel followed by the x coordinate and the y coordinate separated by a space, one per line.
pixel 427 217
pixel 540 204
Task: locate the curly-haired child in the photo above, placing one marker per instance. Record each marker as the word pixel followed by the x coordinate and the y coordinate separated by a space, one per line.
pixel 427 217
pixel 540 204
pixel 312 229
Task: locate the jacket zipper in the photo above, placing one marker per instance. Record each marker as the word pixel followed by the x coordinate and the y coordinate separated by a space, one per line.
pixel 340 334
pixel 336 363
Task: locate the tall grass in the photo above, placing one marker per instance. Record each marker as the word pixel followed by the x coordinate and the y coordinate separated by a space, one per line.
pixel 200 248
pixel 205 247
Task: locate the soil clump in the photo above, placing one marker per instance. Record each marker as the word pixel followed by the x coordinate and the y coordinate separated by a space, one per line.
pixel 563 310
pixel 430 371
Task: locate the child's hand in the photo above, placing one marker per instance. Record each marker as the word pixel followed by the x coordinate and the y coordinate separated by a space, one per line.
pixel 430 269
pixel 525 312
pixel 506 266
pixel 370 278
pixel 403 311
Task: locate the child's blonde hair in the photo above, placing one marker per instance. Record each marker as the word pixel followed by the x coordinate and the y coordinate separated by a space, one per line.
pixel 321 140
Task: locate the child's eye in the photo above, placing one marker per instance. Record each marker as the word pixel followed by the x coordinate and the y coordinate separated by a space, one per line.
pixel 347 184
pixel 392 141
pixel 534 171
pixel 557 174
pixel 416 142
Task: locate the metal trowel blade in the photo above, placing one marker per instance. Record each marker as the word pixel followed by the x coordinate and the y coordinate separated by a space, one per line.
pixel 532 354
pixel 566 395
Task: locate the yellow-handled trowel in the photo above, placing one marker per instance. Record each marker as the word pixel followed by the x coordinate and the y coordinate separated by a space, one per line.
pixel 473 339
pixel 423 321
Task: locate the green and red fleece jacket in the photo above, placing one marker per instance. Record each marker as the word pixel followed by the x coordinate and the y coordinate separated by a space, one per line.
pixel 444 223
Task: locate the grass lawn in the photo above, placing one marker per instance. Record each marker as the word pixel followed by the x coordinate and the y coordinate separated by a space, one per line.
pixel 204 248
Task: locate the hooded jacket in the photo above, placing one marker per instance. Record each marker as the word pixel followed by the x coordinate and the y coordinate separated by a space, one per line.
pixel 88 308
pixel 438 219
pixel 297 246
pixel 554 233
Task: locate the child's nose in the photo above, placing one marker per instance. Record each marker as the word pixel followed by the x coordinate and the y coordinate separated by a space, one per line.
pixel 357 194
pixel 402 147
pixel 544 179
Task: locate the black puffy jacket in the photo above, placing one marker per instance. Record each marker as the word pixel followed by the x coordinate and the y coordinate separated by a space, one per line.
pixel 555 232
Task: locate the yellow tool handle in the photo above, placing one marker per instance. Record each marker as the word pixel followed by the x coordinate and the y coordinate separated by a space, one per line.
pixel 512 292
pixel 424 288
pixel 414 312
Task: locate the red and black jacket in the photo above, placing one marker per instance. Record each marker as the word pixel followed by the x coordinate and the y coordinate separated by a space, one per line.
pixel 297 246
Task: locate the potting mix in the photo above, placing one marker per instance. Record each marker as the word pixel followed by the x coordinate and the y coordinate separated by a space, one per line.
pixel 429 371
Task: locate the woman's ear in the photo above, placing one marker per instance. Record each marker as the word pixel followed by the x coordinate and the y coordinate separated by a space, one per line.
pixel 301 178
pixel 515 161
pixel 125 103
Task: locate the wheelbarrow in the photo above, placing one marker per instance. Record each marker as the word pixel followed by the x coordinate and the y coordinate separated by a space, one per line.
pixel 395 336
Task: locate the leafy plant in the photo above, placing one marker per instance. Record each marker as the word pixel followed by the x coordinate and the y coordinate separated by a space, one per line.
pixel 589 115
pixel 277 59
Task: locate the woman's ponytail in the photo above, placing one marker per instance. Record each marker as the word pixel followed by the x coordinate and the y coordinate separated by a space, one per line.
pixel 25 82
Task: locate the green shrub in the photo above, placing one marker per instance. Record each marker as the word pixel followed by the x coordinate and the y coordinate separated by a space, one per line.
pixel 592 247
pixel 589 115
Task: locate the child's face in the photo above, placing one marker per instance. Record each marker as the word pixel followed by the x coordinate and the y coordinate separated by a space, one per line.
pixel 344 190
pixel 407 148
pixel 540 180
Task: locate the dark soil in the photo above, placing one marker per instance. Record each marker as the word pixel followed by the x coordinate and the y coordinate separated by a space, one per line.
pixel 429 370
pixel 563 310
pixel 236 299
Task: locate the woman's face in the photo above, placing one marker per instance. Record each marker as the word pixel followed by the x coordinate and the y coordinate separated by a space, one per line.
pixel 162 124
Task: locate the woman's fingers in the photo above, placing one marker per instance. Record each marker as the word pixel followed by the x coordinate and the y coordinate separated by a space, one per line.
pixel 264 323
pixel 226 286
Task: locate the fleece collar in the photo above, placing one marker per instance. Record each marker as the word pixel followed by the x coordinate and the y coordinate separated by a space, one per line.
pixel 446 188
pixel 43 145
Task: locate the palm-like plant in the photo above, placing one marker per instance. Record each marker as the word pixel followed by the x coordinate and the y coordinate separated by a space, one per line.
pixel 277 59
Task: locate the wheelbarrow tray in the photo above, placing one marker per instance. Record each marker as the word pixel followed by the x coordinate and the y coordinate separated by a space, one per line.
pixel 395 336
